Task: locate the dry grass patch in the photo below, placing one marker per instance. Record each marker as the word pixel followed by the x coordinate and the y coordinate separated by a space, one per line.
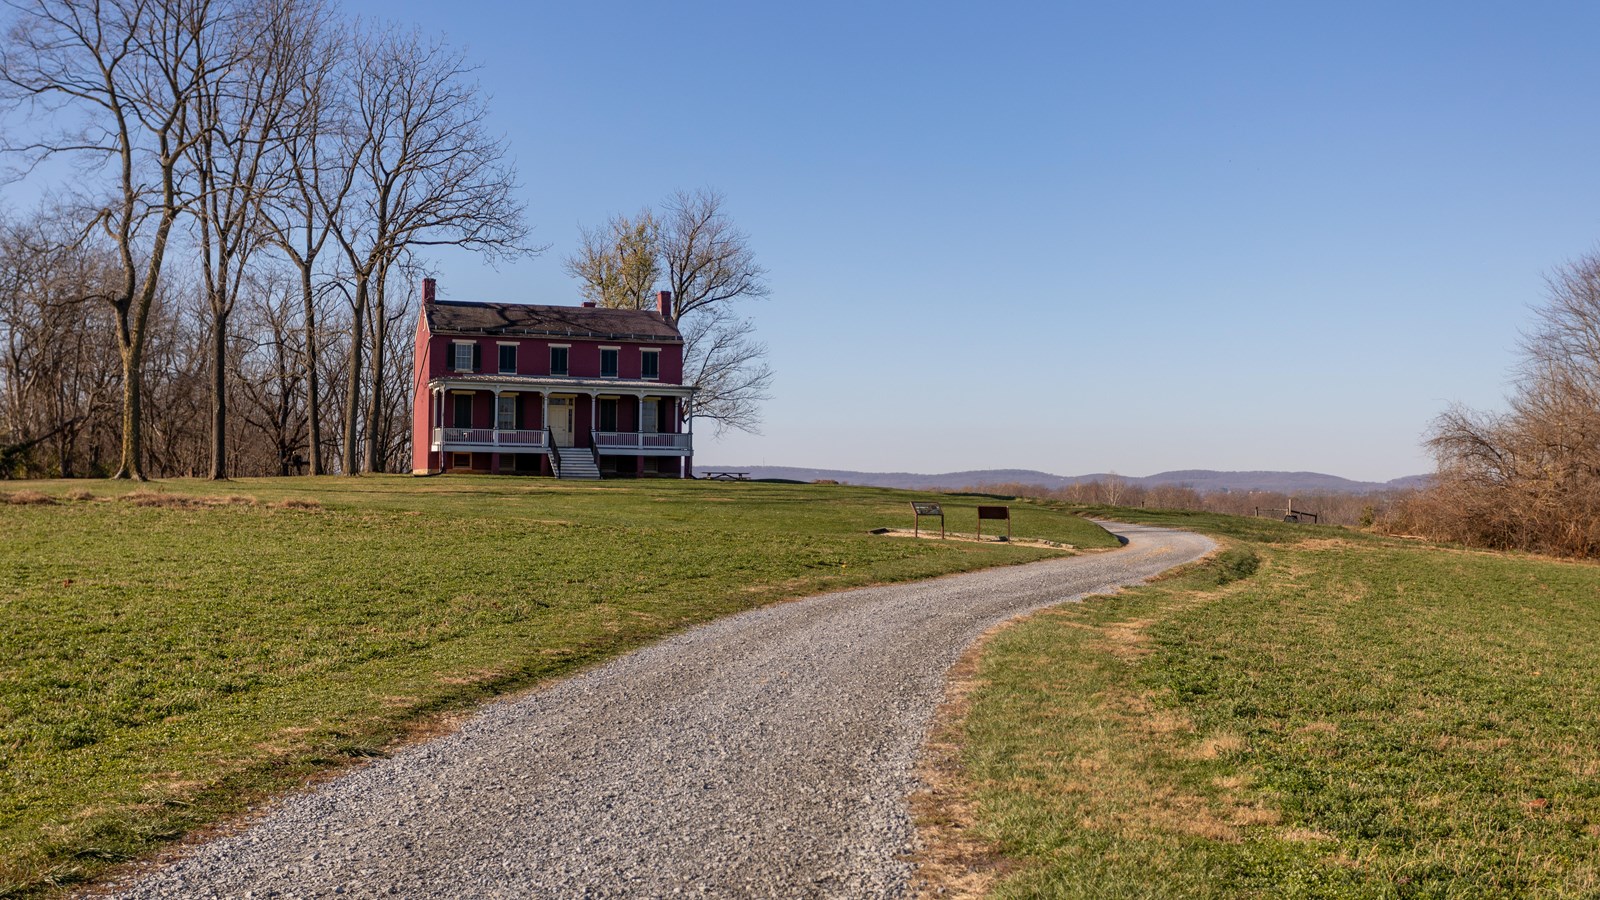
pixel 28 498
pixel 952 860
pixel 1126 641
pixel 303 503
pixel 163 500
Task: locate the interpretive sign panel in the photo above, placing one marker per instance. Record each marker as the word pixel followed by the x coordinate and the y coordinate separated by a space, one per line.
pixel 918 510
pixel 994 512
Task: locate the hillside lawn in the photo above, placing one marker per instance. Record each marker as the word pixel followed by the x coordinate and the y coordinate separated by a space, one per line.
pixel 1315 712
pixel 169 658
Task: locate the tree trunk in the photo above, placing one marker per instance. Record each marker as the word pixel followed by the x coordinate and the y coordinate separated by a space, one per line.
pixel 380 326
pixel 313 379
pixel 352 396
pixel 219 394
pixel 132 464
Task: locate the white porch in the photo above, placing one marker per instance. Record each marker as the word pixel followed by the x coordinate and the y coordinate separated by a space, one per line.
pixel 653 409
pixel 489 439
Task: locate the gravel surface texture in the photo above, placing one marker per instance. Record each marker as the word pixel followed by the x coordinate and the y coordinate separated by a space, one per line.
pixel 768 754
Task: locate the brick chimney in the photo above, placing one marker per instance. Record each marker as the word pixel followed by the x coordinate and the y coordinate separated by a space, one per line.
pixel 588 304
pixel 664 304
pixel 429 287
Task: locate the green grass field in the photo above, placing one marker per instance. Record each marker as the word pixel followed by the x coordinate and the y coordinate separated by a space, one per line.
pixel 1314 713
pixel 168 659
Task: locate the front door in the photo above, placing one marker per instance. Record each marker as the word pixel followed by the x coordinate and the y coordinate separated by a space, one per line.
pixel 561 420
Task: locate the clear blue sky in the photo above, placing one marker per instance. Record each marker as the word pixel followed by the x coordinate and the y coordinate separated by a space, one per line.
pixel 1074 237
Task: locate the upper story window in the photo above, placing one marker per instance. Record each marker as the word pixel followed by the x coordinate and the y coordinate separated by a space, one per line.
pixel 558 360
pixel 608 361
pixel 650 365
pixel 464 356
pixel 508 359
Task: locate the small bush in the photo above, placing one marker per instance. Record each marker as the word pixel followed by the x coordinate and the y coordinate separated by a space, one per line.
pixel 80 494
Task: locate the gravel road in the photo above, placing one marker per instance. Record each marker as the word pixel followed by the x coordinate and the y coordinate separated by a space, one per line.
pixel 768 754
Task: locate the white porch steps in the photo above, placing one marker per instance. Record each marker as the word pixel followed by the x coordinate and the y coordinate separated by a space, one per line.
pixel 577 462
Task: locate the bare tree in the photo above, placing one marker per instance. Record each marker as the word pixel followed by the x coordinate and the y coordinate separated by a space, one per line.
pixel 708 260
pixel 708 264
pixel 1112 489
pixel 271 370
pixel 56 346
pixel 121 78
pixel 1529 478
pixel 425 173
pixel 728 368
pixel 311 187
pixel 239 112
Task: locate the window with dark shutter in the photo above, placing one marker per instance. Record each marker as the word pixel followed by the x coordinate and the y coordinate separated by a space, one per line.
pixel 650 365
pixel 608 415
pixel 463 410
pixel 608 363
pixel 558 360
pixel 508 359
pixel 477 358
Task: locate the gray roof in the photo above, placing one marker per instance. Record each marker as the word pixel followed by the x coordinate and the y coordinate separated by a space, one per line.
pixel 460 317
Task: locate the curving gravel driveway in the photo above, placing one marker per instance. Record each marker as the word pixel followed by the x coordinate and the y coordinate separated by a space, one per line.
pixel 767 754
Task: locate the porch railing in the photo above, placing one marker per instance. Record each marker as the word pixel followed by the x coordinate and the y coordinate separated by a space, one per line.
pixel 489 438
pixel 641 440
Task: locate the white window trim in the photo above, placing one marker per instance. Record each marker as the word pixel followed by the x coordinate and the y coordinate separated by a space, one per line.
pixel 616 350
pixel 657 352
pixel 455 355
pixel 566 347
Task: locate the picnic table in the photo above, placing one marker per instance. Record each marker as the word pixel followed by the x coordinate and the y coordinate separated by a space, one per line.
pixel 727 476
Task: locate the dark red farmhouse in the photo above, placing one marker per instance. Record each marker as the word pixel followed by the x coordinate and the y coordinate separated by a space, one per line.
pixel 571 391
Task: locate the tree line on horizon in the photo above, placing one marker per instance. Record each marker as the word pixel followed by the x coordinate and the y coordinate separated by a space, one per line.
pixel 239 199
pixel 237 193
pixel 1331 507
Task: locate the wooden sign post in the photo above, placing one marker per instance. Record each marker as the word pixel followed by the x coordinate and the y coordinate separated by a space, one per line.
pixel 994 512
pixel 918 510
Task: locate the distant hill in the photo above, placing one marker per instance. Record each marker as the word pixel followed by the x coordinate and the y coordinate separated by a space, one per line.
pixel 1202 480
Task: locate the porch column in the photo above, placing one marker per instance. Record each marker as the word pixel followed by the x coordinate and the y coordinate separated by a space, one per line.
pixel 688 461
pixel 444 453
